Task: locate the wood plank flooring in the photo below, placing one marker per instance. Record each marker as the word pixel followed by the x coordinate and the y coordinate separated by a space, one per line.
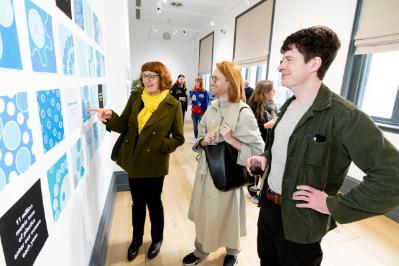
pixel 371 242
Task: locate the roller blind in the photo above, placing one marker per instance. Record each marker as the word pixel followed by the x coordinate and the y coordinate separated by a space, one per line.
pixel 378 29
pixel 252 35
pixel 206 53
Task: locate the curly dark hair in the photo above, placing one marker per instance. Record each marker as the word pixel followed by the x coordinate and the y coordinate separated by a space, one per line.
pixel 165 81
pixel 317 41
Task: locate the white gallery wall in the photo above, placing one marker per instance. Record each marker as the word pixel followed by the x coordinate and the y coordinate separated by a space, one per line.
pixel 179 57
pixel 55 170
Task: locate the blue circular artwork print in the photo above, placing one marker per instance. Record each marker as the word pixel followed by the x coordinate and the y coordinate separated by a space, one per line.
pixel 52 125
pixel 12 135
pixel 23 160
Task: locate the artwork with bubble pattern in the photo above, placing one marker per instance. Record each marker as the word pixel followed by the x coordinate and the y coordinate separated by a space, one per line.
pixel 78 13
pixel 67 50
pixel 16 142
pixel 40 39
pixel 59 186
pixel 78 162
pixel 88 16
pixel 51 120
pixel 90 143
pixel 10 56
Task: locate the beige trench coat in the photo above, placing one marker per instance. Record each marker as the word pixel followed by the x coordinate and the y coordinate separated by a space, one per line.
pixel 220 217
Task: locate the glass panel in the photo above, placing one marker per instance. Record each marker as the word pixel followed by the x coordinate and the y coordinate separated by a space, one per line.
pixel 382 85
pixel 262 73
pixel 243 73
pixel 252 76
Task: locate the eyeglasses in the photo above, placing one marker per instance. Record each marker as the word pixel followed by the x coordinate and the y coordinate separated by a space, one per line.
pixel 149 77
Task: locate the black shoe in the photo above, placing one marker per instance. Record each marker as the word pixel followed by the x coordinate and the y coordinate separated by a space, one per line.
pixel 154 249
pixel 133 250
pixel 230 260
pixel 191 259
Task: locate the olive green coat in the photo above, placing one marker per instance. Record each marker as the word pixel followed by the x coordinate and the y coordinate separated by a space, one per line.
pixel 147 154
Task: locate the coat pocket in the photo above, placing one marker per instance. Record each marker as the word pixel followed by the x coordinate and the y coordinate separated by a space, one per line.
pixel 318 153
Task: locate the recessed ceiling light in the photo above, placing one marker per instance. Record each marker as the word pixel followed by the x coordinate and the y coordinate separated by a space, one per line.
pixel 155 30
pixel 212 23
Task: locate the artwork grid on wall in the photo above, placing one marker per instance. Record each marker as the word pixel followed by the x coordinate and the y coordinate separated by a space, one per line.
pixel 78 162
pixel 67 50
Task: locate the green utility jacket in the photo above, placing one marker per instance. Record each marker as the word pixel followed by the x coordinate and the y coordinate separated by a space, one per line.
pixel 330 135
pixel 147 154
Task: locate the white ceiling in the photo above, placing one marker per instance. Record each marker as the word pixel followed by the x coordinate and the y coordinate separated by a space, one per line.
pixel 186 23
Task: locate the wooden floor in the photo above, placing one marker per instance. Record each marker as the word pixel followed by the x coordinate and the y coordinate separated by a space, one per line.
pixel 372 242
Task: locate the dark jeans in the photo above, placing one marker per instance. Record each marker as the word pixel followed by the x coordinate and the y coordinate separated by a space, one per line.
pixel 147 191
pixel 196 119
pixel 274 249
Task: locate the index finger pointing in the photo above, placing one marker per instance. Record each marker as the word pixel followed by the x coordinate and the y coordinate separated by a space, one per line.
pixel 94 109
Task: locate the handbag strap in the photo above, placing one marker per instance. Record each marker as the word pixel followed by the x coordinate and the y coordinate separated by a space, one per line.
pixel 221 114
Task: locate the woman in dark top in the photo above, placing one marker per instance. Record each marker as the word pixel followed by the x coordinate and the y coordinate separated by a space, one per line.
pixel 264 108
pixel 179 91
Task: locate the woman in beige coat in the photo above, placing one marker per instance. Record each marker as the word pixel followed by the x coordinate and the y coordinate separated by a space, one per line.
pixel 219 217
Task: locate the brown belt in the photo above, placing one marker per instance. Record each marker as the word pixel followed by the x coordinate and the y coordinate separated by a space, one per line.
pixel 273 196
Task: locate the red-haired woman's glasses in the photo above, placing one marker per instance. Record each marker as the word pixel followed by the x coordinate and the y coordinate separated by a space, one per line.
pixel 149 77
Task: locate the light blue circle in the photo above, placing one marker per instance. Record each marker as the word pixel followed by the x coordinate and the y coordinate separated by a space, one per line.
pixel 12 135
pixel 22 101
pixel 1 129
pixel 43 98
pixel 1 155
pixel 58 106
pixel 52 101
pixel 49 112
pixel 3 180
pixel 60 124
pixel 23 159
pixel 48 124
pixel 51 143
pixel 54 132
pixel 42 113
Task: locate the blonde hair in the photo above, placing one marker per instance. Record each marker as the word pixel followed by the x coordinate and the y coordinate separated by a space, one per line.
pixel 200 80
pixel 232 74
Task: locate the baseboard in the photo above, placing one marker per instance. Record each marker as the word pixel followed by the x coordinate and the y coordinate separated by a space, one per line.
pixel 350 182
pixel 101 243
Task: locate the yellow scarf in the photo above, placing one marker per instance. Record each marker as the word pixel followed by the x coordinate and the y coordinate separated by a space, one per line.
pixel 150 105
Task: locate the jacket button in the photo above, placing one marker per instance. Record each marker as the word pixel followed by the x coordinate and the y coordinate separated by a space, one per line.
pixel 153 133
pixel 148 150
pixel 126 140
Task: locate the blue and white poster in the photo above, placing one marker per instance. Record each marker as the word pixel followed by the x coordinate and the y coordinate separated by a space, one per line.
pixel 90 142
pixel 85 103
pixel 10 55
pixel 16 154
pixel 72 107
pixel 67 50
pixel 40 39
pixel 59 186
pixel 82 57
pixel 78 160
pixel 96 134
pixel 98 33
pixel 91 61
pixel 94 96
pixel 78 13
pixel 51 121
pixel 88 17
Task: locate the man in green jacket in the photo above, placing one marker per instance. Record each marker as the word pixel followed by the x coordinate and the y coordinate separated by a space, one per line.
pixel 317 136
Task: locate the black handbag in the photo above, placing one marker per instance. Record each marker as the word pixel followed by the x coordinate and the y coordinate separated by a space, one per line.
pixel 222 163
pixel 117 147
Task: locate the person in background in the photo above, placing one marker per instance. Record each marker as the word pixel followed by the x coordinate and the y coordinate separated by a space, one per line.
pixel 248 90
pixel 199 103
pixel 265 111
pixel 179 91
pixel 317 135
pixel 219 217
pixel 153 126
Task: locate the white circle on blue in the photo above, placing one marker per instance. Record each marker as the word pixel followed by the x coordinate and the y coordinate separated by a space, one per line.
pixel 43 98
pixel 56 190
pixel 55 204
pixel 3 180
pixel 8 159
pixel 11 108
pixel 36 28
pixel 22 101
pixel 20 118
pixel 12 135
pixel 25 138
pixel 6 13
pixel 42 113
pixel 48 124
pixel 23 159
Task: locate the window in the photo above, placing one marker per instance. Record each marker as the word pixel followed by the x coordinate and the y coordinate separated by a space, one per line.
pixel 372 82
pixel 252 71
pixel 244 73
pixel 207 81
pixel 253 74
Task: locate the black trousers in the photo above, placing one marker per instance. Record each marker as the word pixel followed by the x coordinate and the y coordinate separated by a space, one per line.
pixel 147 192
pixel 274 249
